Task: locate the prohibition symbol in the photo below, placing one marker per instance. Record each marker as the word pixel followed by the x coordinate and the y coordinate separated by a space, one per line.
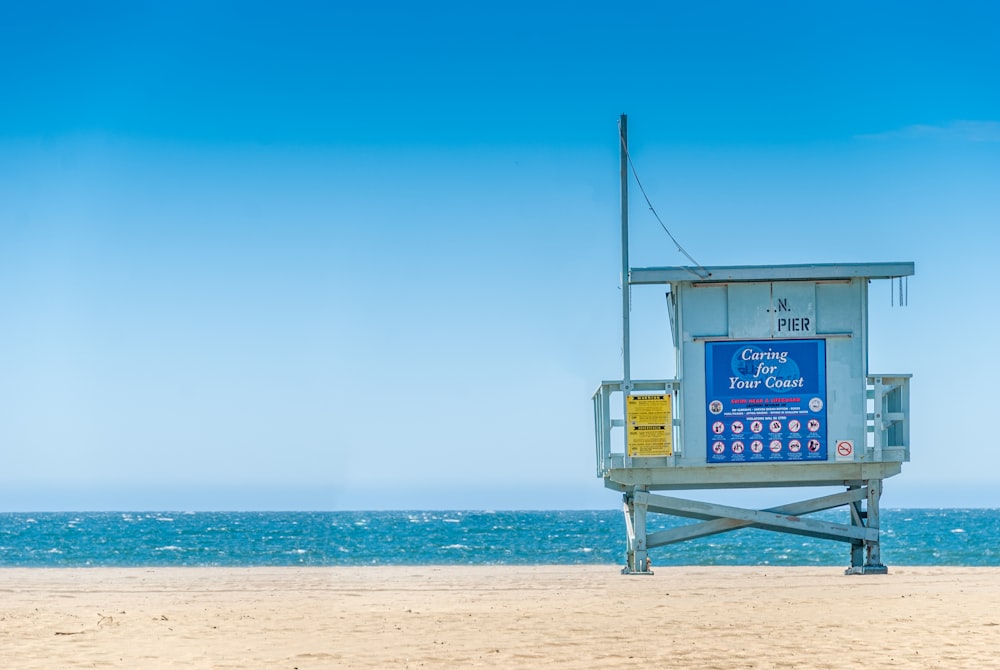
pixel 845 448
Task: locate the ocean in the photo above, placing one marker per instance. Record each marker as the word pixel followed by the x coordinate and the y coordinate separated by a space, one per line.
pixel 954 537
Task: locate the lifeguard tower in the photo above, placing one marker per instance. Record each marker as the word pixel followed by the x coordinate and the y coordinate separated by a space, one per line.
pixel 772 389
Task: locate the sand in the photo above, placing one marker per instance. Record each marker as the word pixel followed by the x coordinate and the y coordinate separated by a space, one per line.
pixel 498 617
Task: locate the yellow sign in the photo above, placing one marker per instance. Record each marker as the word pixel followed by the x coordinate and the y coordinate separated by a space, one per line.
pixel 650 425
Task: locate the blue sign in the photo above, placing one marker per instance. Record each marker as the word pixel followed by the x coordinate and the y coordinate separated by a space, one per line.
pixel 766 400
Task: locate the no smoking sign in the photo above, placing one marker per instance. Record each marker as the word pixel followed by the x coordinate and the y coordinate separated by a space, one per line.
pixel 845 450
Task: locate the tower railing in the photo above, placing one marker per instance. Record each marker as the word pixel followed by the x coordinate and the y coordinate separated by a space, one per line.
pixel 603 422
pixel 887 418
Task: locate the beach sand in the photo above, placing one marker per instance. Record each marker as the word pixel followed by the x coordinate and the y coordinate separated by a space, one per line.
pixel 498 617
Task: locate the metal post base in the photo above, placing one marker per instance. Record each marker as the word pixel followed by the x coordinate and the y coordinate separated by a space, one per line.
pixel 640 567
pixel 867 570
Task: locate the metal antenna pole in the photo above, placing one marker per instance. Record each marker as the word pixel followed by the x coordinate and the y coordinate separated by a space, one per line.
pixel 626 293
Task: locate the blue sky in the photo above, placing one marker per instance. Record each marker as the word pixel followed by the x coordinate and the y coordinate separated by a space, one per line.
pixel 310 256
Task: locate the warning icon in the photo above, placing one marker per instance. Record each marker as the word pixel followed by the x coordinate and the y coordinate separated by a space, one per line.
pixel 845 450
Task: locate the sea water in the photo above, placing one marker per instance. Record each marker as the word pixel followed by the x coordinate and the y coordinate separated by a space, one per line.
pixel 956 537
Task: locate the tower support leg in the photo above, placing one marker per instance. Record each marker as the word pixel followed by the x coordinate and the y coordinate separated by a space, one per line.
pixel 866 558
pixel 637 558
pixel 858 516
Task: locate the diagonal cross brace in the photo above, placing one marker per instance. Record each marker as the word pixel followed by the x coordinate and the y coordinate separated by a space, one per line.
pixel 785 518
pixel 717 526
